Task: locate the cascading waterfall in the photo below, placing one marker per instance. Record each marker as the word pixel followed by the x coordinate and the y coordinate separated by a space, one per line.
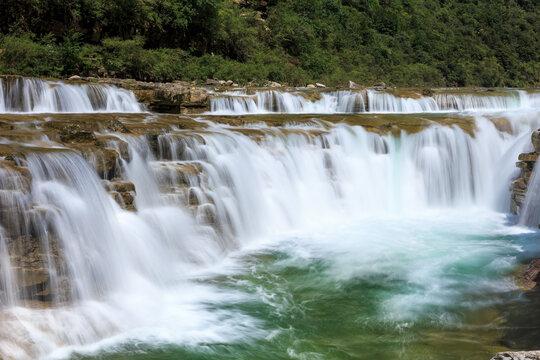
pixel 350 101
pixel 272 101
pixel 201 194
pixel 28 95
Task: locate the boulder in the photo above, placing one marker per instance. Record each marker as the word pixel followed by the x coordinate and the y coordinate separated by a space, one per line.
pixel 74 77
pixel 212 82
pixel 273 84
pixel 319 85
pixel 311 86
pixel 196 98
pixel 517 355
pixel 352 85
pixel 379 86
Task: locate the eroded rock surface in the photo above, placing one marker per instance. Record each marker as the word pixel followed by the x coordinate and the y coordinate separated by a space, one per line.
pixel 517 355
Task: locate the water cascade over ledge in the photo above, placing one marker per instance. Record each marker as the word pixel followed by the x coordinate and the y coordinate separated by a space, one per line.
pixel 28 95
pixel 106 239
pixel 368 101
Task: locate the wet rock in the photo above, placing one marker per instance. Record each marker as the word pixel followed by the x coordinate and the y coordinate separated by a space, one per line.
pixel 123 193
pixel 517 355
pixel 115 125
pixel 528 157
pixel 535 139
pixel 6 126
pixel 73 132
pixel 103 160
pixel 530 277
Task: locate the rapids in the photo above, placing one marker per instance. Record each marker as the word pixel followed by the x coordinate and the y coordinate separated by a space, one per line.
pixel 319 240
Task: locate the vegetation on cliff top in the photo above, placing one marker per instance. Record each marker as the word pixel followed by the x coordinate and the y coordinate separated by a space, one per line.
pixel 401 42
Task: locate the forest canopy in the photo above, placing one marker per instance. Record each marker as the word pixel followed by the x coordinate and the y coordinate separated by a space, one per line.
pixel 402 42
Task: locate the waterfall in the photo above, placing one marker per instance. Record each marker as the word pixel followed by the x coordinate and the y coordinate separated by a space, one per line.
pixel 349 101
pixel 110 271
pixel 28 95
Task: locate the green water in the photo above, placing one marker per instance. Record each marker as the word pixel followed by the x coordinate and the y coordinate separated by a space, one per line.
pixel 373 289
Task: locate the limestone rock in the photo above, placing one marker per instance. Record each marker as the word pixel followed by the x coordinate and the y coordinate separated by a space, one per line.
pixel 528 157
pixel 123 193
pixel 196 98
pixel 535 139
pixel 518 355
pixel 73 132
pixel 74 77
pixel 531 276
pixel 273 84
pixel 311 86
pixel 103 160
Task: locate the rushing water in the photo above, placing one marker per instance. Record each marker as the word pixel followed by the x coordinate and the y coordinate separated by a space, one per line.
pixel 355 101
pixel 300 242
pixel 24 95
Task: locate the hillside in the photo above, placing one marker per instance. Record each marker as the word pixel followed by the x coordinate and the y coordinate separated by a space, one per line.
pixel 401 42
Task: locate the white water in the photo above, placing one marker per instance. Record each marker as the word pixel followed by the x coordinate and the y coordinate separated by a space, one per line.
pixel 348 101
pixel 129 272
pixel 28 95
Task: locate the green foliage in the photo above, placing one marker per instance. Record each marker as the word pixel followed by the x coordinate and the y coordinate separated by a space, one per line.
pixel 401 42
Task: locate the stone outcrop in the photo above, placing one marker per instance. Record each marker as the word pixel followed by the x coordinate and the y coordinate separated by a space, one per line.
pixel 123 193
pixel 526 165
pixel 530 277
pixel 517 355
pixel 175 97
